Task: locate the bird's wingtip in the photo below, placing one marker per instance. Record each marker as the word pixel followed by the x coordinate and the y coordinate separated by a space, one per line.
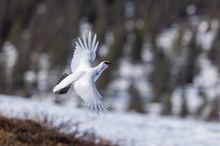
pixel 54 90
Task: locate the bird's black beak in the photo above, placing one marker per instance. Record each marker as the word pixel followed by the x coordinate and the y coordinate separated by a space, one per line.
pixel 108 63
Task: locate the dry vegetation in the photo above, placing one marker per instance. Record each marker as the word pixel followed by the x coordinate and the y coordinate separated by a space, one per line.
pixel 16 132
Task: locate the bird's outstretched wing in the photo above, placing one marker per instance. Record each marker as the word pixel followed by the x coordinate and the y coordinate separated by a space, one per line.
pixel 65 89
pixel 87 90
pixel 85 51
pixel 67 81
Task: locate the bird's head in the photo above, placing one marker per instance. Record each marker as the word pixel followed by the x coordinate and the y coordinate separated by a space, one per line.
pixel 106 64
pixel 100 68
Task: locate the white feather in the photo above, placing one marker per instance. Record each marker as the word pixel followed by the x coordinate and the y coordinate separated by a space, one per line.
pixel 85 52
pixel 68 80
pixel 86 89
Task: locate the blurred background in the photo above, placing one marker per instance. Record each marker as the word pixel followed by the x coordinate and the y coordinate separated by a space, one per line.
pixel 165 54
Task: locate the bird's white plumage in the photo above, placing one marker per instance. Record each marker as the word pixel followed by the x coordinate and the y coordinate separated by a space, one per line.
pixel 85 52
pixel 84 84
pixel 68 80
pixel 85 87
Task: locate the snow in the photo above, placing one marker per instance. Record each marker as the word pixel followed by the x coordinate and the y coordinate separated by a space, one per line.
pixel 207 70
pixel 211 84
pixel 104 48
pixel 129 9
pixel 43 73
pixel 146 54
pixel 166 38
pixel 191 9
pixel 85 27
pixel 30 76
pixel 204 37
pixel 125 129
pixel 121 85
pixel 10 55
pixel 194 99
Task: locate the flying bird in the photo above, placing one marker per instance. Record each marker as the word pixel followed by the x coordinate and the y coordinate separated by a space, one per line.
pixel 83 76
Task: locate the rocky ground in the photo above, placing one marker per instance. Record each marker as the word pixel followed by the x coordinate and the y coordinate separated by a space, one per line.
pixel 16 132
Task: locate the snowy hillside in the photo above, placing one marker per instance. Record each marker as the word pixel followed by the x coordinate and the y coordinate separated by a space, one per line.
pixel 125 129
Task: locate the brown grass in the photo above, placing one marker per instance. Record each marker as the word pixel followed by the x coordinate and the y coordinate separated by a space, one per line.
pixel 16 132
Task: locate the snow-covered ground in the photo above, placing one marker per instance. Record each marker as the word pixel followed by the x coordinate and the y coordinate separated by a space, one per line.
pixel 125 129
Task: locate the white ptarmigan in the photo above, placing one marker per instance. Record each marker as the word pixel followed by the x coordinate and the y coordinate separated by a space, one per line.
pixel 84 76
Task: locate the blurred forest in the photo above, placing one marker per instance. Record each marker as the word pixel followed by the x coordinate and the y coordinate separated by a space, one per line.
pixel 165 53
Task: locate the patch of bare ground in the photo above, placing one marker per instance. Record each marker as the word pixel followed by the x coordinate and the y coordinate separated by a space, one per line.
pixel 17 132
